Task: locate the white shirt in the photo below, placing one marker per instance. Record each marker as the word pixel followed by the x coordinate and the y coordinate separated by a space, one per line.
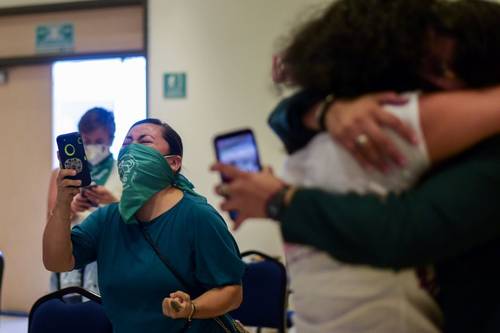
pixel 331 296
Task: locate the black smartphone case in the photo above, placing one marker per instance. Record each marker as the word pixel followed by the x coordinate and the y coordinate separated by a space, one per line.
pixel 72 156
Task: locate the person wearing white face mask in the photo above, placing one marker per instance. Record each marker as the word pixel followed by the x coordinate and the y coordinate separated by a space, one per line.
pixel 97 129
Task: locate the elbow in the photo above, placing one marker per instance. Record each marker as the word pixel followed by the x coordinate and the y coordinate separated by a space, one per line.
pixel 58 266
pixel 236 297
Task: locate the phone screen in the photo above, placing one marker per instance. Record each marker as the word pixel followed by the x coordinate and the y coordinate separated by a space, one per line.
pixel 238 149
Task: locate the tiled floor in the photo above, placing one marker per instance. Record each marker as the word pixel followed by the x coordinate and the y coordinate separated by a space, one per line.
pixel 13 324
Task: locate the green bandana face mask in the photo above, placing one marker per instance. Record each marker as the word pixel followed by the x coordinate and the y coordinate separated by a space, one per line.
pixel 144 172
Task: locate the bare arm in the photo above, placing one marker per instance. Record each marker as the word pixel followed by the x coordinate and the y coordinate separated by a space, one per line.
pixel 216 302
pixel 52 195
pixel 454 121
pixel 210 304
pixel 57 248
pixel 451 122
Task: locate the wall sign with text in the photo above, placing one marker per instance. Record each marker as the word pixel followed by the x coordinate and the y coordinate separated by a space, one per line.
pixel 55 38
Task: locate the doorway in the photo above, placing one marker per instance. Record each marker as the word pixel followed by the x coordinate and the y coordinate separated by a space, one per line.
pixel 116 84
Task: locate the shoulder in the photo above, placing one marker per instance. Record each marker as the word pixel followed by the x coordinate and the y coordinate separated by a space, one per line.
pixel 202 214
pixel 104 213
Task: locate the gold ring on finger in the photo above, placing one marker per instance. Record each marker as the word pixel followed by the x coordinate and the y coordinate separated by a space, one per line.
pixel 224 190
pixel 362 140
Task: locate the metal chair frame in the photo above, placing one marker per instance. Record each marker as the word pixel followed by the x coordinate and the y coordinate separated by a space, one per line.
pixel 60 294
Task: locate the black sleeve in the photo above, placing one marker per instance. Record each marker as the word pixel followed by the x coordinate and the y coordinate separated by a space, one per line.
pixel 286 120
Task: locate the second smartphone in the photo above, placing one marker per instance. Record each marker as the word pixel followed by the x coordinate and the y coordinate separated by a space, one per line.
pixel 238 148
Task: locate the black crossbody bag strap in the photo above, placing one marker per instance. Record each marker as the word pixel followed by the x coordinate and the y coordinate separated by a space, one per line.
pixel 183 282
pixel 164 260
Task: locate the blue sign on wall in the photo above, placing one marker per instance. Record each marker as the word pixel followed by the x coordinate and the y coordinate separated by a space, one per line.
pixel 54 38
pixel 174 85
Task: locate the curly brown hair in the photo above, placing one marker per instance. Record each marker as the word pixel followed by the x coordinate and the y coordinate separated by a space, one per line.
pixel 360 46
pixel 475 26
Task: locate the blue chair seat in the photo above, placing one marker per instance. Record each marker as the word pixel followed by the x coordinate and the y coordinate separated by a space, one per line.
pixel 53 314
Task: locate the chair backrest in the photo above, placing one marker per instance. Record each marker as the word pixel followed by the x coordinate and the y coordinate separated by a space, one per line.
pixel 265 294
pixel 51 313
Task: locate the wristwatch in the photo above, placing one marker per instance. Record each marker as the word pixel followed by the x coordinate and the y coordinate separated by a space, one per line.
pixel 276 203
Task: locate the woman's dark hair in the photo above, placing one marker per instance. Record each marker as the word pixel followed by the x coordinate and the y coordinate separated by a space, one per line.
pixel 169 134
pixel 361 46
pixel 475 26
pixel 98 118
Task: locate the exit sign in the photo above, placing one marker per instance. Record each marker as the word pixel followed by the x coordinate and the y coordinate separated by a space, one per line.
pixel 174 85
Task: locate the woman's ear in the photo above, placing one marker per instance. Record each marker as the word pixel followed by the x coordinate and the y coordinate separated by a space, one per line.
pixel 175 162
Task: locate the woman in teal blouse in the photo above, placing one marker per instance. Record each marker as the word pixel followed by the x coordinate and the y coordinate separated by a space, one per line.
pixel 139 292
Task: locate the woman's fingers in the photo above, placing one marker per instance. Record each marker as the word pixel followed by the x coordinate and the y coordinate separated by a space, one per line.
pixel 228 171
pixel 390 97
pixel 80 204
pixel 378 147
pixel 65 173
pixel 71 182
pixel 176 307
pixel 182 295
pixel 66 182
pixel 166 309
pixel 91 195
pixel 388 120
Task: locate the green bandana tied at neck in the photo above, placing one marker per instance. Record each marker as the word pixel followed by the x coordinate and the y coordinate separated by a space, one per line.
pixel 145 172
pixel 101 171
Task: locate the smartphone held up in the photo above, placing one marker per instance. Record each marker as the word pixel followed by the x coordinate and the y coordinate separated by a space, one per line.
pixel 72 156
pixel 238 148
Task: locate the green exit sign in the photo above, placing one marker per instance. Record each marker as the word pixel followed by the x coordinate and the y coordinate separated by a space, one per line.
pixel 174 85
pixel 55 38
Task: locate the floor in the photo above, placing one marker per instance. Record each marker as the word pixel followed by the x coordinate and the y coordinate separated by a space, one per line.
pixel 20 325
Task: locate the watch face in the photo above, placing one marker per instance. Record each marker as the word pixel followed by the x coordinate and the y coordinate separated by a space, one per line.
pixel 273 210
pixel 275 204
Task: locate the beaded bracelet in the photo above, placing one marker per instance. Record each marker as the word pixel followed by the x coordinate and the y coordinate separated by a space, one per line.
pixel 193 310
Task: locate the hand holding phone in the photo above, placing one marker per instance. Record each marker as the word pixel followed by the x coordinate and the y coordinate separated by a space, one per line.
pixel 238 148
pixel 84 193
pixel 72 156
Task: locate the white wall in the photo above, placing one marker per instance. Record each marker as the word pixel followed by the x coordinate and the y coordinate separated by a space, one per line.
pixel 225 46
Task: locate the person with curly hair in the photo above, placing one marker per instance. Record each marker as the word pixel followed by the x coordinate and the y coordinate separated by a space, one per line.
pixel 342 52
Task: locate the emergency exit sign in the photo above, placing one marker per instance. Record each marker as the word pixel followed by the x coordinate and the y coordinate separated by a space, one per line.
pixel 174 85
pixel 55 38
